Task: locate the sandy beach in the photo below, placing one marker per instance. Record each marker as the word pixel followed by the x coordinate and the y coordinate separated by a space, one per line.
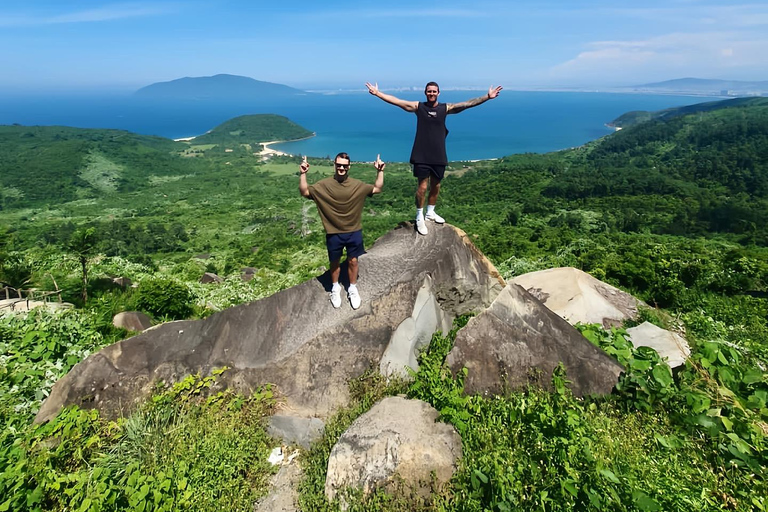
pixel 267 152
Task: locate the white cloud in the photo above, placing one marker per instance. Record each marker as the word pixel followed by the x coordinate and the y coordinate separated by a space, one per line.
pixel 115 12
pixel 703 55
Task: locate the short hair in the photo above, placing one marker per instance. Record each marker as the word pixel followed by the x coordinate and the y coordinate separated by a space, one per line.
pixel 342 155
pixel 431 83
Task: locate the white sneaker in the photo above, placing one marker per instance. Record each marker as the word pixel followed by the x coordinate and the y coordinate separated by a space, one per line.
pixel 435 217
pixel 421 227
pixel 354 298
pixel 336 296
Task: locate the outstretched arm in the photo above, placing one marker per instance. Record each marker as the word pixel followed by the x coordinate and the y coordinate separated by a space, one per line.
pixel 408 106
pixel 303 170
pixel 455 108
pixel 378 185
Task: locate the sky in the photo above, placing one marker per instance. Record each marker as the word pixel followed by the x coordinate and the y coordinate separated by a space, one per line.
pixel 326 44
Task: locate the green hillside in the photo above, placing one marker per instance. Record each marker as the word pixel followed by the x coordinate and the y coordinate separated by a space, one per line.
pixel 252 129
pixel 640 116
pixel 56 164
pixel 672 210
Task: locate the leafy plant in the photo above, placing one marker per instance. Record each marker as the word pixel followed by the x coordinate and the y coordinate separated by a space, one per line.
pixel 162 297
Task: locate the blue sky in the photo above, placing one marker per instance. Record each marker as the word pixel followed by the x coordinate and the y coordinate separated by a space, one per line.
pixel 338 43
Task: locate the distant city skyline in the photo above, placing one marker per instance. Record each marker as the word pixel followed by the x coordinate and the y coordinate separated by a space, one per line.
pixel 87 44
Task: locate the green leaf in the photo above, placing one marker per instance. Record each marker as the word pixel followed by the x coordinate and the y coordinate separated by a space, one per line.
pixel 662 374
pixel 569 486
pixel 645 502
pixel 607 473
pixel 752 376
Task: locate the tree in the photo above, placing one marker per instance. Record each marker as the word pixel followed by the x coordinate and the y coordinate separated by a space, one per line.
pixel 83 244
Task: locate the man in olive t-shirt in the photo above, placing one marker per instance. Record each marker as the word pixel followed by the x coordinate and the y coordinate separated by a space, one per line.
pixel 340 200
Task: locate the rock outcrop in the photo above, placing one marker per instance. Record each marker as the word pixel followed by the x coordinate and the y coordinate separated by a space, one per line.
pixel 410 285
pixel 579 297
pixel 518 341
pixel 668 344
pixel 396 438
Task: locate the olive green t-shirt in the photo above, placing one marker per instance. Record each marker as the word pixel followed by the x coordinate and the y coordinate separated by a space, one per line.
pixel 340 205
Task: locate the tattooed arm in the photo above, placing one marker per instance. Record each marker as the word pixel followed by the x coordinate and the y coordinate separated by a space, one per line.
pixel 455 108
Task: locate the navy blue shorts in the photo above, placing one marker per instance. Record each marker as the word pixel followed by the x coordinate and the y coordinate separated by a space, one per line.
pixel 337 242
pixel 422 171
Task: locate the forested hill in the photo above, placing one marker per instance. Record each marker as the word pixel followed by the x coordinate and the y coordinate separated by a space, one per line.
pixel 715 161
pixel 55 164
pixel 252 129
pixel 640 116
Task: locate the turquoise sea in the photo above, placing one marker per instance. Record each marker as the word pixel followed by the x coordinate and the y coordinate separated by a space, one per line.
pixel 358 123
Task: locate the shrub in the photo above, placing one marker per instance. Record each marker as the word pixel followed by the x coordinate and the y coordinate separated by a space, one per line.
pixel 164 298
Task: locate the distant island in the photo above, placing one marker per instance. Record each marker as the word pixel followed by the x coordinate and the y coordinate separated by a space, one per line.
pixel 255 128
pixel 218 87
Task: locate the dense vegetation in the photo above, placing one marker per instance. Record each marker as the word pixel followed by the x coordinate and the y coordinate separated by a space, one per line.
pixel 672 210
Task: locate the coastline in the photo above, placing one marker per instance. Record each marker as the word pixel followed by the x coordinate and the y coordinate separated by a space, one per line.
pixel 266 151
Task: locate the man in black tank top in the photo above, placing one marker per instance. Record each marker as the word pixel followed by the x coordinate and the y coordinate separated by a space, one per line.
pixel 428 155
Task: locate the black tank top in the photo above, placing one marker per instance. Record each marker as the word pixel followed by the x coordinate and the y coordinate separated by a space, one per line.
pixel 429 144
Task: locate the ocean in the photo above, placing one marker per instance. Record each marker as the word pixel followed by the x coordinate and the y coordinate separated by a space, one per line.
pixel 358 123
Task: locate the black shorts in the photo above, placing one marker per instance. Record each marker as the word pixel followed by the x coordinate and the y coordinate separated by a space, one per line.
pixel 337 242
pixel 422 171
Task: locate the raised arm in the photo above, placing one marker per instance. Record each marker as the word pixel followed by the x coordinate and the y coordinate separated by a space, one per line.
pixel 408 106
pixel 455 108
pixel 378 185
pixel 303 170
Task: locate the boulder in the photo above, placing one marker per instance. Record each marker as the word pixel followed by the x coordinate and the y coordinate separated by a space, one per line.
pixel 283 493
pixel 122 282
pixel 295 339
pixel 518 341
pixel 579 297
pixel 396 438
pixel 210 277
pixel 247 273
pixel 295 431
pixel 132 321
pixel 668 344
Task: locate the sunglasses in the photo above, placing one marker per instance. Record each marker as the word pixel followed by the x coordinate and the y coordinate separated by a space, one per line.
pixel 342 166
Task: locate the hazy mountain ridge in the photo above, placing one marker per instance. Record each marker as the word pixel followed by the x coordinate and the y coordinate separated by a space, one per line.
pixel 706 86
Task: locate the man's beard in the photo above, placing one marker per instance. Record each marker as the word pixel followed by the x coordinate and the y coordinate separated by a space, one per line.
pixel 341 178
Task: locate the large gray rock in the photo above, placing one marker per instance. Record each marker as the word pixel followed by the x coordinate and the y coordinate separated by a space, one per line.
pixel 668 344
pixel 518 341
pixel 396 437
pixel 579 297
pixel 295 431
pixel 132 321
pixel 284 491
pixel 295 338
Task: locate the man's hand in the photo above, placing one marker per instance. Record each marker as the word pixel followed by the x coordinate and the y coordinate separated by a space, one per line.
pixel 304 167
pixel 379 184
pixel 373 88
pixel 494 91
